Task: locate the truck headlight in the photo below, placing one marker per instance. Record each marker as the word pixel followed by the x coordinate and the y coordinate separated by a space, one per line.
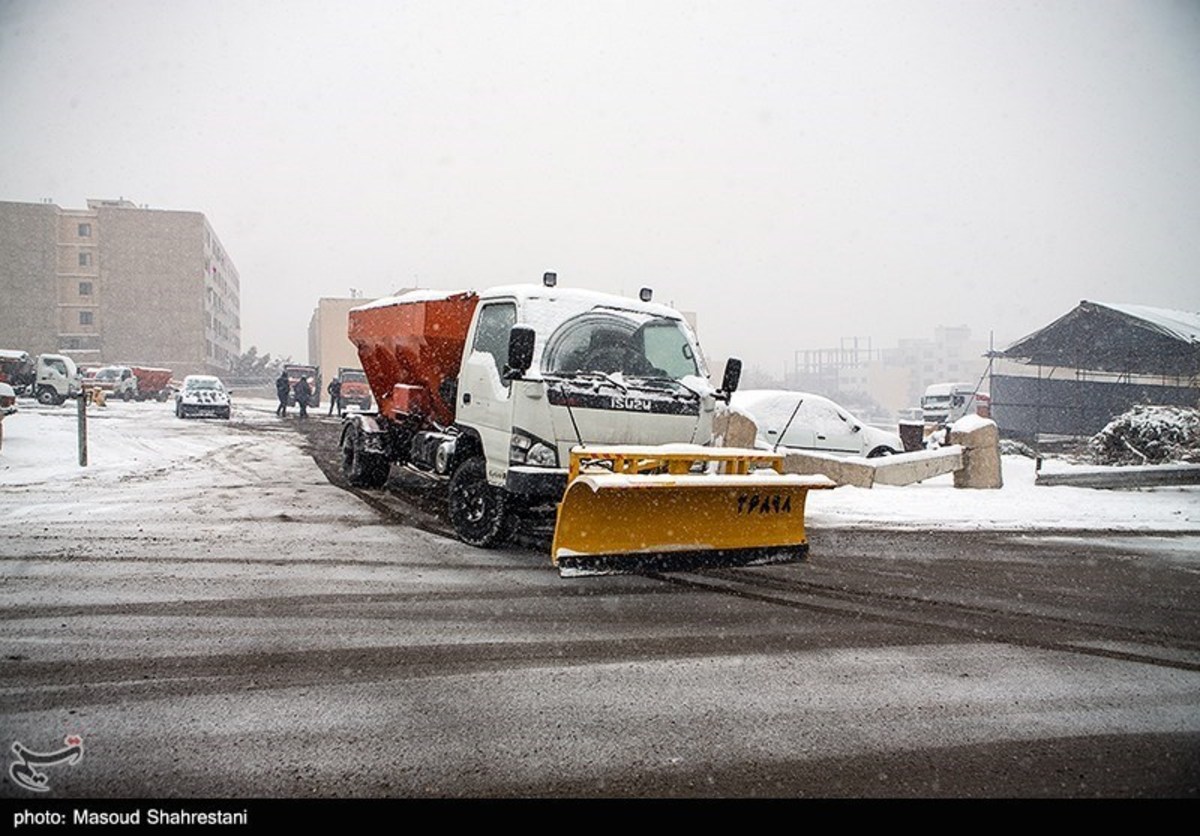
pixel 525 448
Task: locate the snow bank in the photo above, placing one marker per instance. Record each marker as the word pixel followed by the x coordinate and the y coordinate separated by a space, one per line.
pixel 134 445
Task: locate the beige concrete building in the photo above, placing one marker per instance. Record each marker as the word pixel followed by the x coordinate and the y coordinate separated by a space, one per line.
pixel 118 283
pixel 328 346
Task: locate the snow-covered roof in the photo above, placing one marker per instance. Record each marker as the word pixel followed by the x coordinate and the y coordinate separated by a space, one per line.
pixel 1123 338
pixel 1179 325
pixel 584 299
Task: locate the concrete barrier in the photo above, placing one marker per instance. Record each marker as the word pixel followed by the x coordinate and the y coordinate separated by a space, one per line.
pixel 973 456
pixel 902 469
pixel 1140 476
pixel 734 429
pixel 980 440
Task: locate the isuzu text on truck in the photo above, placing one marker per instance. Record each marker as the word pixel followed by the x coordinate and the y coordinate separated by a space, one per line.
pixel 525 394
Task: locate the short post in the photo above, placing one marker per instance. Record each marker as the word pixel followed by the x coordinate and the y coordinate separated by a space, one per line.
pixel 81 404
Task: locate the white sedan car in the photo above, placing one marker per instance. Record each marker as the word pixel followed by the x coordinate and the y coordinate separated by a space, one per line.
pixel 202 394
pixel 811 422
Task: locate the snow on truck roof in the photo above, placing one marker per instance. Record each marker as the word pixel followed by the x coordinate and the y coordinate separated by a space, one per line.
pixel 530 291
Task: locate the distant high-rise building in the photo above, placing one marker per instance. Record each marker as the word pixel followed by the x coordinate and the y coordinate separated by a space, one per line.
pixel 118 283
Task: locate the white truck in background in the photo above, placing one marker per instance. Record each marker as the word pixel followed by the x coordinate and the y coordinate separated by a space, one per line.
pixel 115 382
pixel 944 403
pixel 56 379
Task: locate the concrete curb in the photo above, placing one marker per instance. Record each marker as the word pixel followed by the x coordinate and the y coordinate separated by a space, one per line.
pixel 1140 476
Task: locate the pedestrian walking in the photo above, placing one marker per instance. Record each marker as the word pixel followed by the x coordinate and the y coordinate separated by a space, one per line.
pixel 283 388
pixel 335 395
pixel 303 392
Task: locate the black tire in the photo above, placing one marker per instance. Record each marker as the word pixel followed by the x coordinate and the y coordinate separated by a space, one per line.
pixel 880 452
pixel 479 512
pixel 47 396
pixel 362 469
pixel 127 396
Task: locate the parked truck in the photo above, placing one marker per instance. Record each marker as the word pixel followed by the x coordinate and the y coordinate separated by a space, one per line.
pixel 113 381
pixel 295 371
pixel 525 395
pixel 944 403
pixel 355 392
pixel 17 370
pixel 152 383
pixel 56 378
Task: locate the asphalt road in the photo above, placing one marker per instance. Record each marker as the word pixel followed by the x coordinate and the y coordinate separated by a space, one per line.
pixel 386 659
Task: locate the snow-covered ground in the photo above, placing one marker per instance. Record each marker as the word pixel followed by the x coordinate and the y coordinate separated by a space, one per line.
pixel 128 441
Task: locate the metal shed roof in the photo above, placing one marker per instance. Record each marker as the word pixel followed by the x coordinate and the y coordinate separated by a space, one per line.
pixel 1098 336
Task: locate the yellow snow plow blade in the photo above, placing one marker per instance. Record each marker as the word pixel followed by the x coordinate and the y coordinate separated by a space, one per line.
pixel 678 506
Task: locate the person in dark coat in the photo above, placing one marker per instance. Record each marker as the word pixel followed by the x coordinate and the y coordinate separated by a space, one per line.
pixel 303 393
pixel 283 388
pixel 335 396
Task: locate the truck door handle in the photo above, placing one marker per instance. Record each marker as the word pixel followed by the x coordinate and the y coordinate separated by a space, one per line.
pixel 466 397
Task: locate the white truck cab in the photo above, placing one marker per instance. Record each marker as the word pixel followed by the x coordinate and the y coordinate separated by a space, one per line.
pixel 57 379
pixel 117 382
pixel 600 369
pixel 945 403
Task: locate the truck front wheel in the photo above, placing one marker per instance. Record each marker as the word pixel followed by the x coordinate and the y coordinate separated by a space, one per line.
pixel 47 396
pixel 479 512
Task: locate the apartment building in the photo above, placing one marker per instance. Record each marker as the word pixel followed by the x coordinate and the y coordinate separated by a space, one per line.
pixel 118 283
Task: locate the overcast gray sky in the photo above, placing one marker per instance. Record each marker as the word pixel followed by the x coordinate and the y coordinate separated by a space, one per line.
pixel 794 172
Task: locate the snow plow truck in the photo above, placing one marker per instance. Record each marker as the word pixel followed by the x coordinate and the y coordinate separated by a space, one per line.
pixel 528 395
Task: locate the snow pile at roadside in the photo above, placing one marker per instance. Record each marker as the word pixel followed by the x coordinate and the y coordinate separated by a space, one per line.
pixel 1149 435
pixel 1021 505
pixel 123 440
pixel 128 442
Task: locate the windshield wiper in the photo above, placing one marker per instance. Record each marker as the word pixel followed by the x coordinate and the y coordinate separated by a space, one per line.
pixel 669 380
pixel 593 375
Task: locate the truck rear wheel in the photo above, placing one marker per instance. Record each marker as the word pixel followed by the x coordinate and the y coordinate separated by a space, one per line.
pixel 362 469
pixel 479 512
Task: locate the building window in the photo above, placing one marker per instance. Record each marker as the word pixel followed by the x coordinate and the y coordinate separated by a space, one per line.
pixel 85 259
pixel 85 317
pixel 85 288
pixel 85 230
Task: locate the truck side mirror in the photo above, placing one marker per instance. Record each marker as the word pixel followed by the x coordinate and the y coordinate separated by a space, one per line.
pixel 733 374
pixel 520 352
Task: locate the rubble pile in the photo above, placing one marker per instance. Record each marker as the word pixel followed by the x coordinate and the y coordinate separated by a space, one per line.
pixel 1012 447
pixel 1149 435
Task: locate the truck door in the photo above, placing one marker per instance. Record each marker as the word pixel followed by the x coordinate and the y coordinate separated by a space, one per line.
pixel 484 400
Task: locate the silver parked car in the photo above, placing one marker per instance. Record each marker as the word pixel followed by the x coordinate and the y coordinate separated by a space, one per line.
pixel 816 423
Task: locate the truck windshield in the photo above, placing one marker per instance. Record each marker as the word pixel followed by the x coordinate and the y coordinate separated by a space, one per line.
pixel 620 342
